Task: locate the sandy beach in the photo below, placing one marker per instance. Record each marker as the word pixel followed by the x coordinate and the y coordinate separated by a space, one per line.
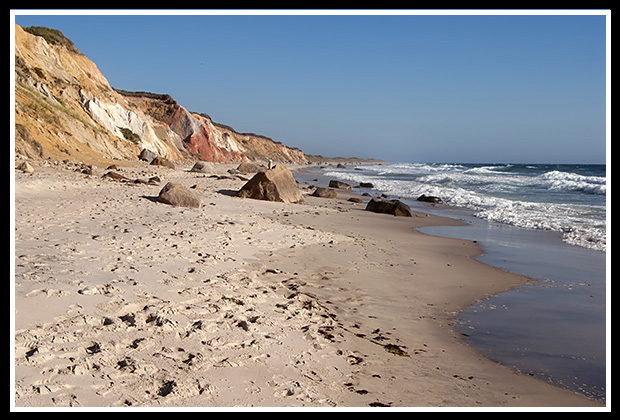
pixel 122 301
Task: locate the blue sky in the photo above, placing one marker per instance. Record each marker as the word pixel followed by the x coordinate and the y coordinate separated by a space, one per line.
pixel 400 88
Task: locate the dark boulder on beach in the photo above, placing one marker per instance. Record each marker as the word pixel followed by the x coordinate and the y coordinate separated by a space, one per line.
pixel 160 161
pixel 324 192
pixel 429 199
pixel 147 155
pixel 395 207
pixel 366 185
pixel 338 184
pixel 251 167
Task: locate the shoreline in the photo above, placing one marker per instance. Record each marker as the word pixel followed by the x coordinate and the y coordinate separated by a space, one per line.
pixel 525 332
pixel 244 302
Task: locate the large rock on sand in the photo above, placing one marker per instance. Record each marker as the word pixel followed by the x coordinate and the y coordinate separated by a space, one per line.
pixel 429 199
pixel 275 184
pixel 251 167
pixel 160 161
pixel 325 193
pixel 395 207
pixel 26 168
pixel 178 195
pixel 202 167
pixel 337 184
pixel 147 155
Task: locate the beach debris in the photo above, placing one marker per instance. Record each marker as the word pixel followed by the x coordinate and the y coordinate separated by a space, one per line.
pixel 129 319
pixel 275 184
pixel 89 290
pixel 94 348
pixel 395 207
pixel 166 388
pixel 324 192
pixel 395 349
pixel 429 199
pixel 115 176
pixel 31 352
pixel 380 404
pixel 179 196
pixel 354 360
pixel 87 169
pixel 154 180
pixel 338 184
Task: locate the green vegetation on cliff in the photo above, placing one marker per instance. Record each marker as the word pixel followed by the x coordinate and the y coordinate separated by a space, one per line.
pixel 52 36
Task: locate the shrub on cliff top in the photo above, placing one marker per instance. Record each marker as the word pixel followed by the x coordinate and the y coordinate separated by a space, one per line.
pixel 52 36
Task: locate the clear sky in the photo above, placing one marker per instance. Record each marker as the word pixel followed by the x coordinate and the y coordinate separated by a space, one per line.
pixel 400 88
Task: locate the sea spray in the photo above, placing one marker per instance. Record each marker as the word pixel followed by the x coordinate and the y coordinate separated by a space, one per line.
pixel 570 199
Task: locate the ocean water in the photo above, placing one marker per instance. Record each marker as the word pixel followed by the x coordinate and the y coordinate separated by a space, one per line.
pixel 554 328
pixel 569 199
pixel 547 222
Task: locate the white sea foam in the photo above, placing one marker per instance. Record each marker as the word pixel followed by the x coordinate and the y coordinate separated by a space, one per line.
pixel 526 197
pixel 564 181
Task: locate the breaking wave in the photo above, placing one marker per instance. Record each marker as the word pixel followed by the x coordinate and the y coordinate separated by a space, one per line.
pixel 569 199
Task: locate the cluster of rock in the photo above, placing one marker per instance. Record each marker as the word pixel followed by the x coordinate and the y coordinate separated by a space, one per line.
pixel 26 167
pixel 272 183
pixel 115 176
pixel 376 205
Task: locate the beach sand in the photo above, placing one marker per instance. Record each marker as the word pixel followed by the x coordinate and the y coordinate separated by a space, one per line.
pixel 123 301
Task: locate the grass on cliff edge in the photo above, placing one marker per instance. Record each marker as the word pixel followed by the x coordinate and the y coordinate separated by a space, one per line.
pixel 52 36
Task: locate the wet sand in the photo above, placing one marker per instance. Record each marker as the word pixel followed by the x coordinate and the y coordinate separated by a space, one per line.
pixel 123 301
pixel 555 328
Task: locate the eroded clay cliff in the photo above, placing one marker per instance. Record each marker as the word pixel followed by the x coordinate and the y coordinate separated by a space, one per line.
pixel 65 107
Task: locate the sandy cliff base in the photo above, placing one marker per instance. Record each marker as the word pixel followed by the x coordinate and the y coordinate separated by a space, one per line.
pixel 123 301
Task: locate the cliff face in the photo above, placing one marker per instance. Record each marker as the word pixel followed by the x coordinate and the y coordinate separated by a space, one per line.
pixel 206 139
pixel 65 107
